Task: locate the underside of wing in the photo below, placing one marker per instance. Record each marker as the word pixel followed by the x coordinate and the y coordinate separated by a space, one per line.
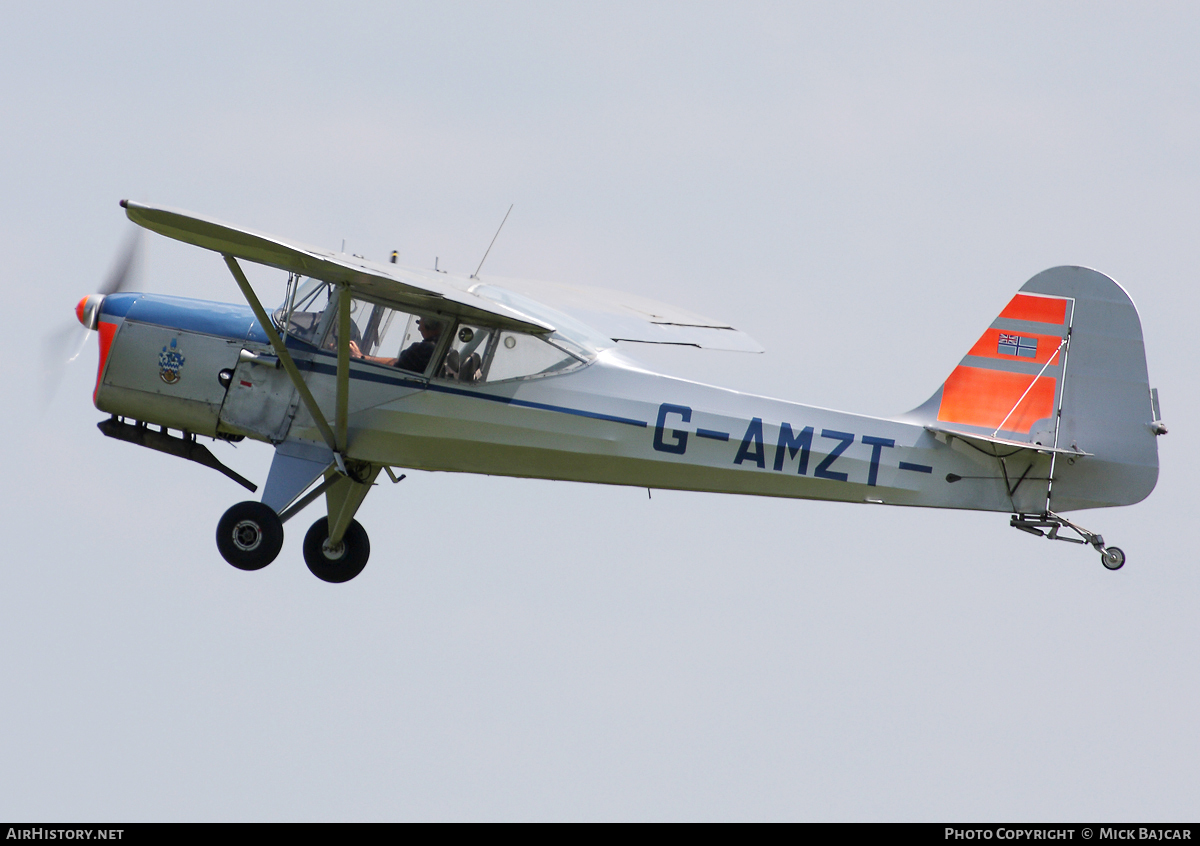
pixel 403 288
pixel 629 317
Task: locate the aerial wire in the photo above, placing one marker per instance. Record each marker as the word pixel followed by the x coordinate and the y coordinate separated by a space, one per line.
pixel 475 275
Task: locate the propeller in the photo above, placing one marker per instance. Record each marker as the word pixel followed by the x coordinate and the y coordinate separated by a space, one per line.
pixel 62 345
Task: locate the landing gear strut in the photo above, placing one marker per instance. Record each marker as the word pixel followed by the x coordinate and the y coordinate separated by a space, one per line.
pixel 1111 557
pixel 336 562
pixel 250 535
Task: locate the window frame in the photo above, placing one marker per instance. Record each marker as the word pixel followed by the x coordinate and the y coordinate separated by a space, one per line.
pixel 492 348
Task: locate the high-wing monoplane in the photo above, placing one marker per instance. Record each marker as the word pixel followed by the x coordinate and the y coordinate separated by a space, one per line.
pixel 368 367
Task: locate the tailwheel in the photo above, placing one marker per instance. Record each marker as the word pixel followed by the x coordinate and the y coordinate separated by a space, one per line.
pixel 1113 557
pixel 340 562
pixel 250 535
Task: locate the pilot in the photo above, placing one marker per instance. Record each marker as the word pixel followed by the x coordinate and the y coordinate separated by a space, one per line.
pixel 416 357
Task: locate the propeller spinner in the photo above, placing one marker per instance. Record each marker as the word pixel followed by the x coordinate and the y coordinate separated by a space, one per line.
pixel 63 345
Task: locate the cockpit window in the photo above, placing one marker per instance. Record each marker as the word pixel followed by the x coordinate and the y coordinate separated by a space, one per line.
pixel 472 354
pixel 467 354
pixel 519 355
pixel 421 339
pixel 387 336
pixel 480 354
pixel 307 309
pixel 378 334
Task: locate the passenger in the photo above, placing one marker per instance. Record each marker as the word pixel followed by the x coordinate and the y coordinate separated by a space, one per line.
pixel 416 357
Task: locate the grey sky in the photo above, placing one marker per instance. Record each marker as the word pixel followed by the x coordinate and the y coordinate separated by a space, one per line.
pixel 859 187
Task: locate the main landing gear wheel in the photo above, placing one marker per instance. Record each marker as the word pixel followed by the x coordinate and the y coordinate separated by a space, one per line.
pixel 250 535
pixel 342 562
pixel 1113 557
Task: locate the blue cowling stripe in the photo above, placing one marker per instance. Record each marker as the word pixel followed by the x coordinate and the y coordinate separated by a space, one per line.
pixel 223 320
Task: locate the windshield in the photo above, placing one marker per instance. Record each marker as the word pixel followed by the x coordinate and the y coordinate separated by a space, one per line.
pixel 308 308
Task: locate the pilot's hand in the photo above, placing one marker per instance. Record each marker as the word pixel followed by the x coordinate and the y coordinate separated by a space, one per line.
pixel 355 351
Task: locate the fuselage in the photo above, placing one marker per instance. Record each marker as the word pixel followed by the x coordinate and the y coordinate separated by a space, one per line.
pixel 208 369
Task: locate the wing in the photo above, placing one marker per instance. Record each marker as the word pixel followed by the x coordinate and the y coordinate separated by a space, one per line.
pixel 404 288
pixel 520 305
pixel 626 317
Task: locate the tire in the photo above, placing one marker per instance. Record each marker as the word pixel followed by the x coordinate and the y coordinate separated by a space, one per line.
pixel 356 549
pixel 250 535
pixel 1113 557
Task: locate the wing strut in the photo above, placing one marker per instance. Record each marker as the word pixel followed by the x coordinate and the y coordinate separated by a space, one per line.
pixel 343 368
pixel 285 358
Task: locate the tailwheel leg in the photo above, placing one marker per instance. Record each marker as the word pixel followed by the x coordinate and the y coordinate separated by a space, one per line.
pixel 250 535
pixel 1112 557
pixel 336 562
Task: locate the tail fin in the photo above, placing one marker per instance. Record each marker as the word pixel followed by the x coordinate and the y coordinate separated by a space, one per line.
pixel 1062 367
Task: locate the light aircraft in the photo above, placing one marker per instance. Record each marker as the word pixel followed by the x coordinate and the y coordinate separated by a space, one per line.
pixel 367 367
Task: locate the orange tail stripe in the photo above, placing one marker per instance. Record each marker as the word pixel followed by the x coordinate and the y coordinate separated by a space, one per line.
pixel 987 347
pixel 977 397
pixel 1039 309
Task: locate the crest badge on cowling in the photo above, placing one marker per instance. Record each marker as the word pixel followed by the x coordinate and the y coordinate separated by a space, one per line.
pixel 170 362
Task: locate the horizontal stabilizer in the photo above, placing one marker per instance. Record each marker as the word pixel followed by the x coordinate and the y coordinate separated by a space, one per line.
pixel 989 444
